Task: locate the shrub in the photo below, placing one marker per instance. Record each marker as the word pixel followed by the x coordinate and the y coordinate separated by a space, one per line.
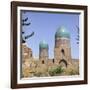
pixel 73 72
pixel 55 71
pixel 38 74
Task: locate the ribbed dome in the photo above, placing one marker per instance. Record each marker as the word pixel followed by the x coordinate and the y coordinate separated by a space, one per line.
pixel 43 44
pixel 62 32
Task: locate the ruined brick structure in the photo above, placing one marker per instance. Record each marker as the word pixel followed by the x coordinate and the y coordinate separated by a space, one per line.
pixel 62 54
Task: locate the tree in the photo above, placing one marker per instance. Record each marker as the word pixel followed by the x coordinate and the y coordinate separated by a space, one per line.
pixel 26 23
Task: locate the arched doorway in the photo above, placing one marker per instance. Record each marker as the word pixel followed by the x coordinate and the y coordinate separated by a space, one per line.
pixel 63 63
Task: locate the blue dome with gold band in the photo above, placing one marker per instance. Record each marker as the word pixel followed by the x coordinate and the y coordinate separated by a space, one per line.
pixel 43 45
pixel 62 33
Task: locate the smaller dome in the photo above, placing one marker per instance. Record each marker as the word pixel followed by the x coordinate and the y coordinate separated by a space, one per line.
pixel 62 32
pixel 43 44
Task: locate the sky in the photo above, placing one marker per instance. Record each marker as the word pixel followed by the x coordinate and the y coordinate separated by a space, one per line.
pixel 45 25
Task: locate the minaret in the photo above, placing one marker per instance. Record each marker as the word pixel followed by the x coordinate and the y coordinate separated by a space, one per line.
pixel 62 49
pixel 43 52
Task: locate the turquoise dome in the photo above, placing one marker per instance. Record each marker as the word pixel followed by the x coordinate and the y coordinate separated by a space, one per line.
pixel 43 44
pixel 62 32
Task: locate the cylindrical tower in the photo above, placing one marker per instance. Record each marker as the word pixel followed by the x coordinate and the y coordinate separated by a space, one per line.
pixel 43 51
pixel 62 38
pixel 62 45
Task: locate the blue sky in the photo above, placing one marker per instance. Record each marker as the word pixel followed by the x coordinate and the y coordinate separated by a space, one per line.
pixel 45 25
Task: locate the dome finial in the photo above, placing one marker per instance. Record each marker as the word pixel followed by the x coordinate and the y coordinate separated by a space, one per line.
pixel 43 44
pixel 62 33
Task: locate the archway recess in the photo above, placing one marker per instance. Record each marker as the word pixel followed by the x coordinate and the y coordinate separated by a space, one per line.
pixel 63 63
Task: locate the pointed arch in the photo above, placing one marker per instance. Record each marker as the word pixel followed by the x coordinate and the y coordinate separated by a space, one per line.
pixel 63 63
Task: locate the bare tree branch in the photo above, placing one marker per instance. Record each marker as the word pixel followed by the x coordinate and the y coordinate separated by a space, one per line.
pixel 24 20
pixel 28 36
pixel 77 34
pixel 25 23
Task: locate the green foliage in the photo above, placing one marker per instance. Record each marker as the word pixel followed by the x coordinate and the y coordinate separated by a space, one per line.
pixel 73 72
pixel 55 71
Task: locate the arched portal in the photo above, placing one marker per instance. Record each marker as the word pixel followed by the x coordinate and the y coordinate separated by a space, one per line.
pixel 63 63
